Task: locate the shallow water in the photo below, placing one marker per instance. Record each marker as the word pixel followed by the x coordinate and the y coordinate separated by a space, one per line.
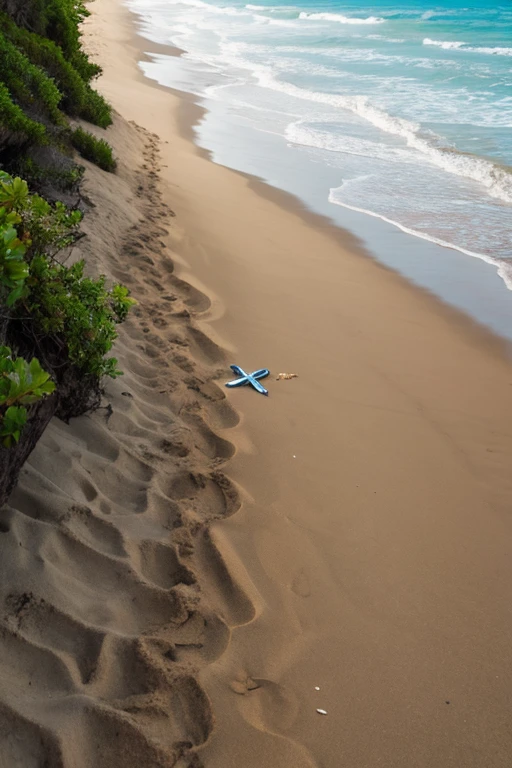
pixel 398 111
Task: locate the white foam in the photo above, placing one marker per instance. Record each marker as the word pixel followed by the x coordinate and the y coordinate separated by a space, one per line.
pixel 446 44
pixel 275 22
pixel 496 180
pixel 223 10
pixel 272 8
pixel 458 45
pixel 504 271
pixel 383 38
pixel 340 18
pixel 306 134
pixel 492 51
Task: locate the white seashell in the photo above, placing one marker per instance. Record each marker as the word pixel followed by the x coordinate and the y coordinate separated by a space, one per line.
pixel 317 688
pixel 321 711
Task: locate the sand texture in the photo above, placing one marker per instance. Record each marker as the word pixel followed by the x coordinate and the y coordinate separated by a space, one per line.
pixel 103 624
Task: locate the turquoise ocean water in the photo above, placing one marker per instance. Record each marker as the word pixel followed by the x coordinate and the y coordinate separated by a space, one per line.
pixel 399 111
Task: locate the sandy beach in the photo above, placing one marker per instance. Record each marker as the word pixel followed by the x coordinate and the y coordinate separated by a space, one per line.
pixel 190 573
pixel 371 552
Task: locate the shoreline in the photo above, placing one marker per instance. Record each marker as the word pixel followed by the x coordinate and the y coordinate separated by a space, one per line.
pixel 189 113
pixel 468 281
pixel 369 557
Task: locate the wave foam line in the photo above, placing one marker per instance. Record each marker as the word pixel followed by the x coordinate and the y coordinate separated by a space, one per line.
pixel 500 266
pixel 496 179
pixel 340 18
pixel 446 44
pixel 461 46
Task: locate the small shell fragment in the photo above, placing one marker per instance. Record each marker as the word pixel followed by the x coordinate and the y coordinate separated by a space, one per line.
pixel 281 376
pixel 317 688
pixel 321 711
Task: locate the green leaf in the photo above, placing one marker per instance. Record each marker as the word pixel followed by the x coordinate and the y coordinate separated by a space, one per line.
pixel 13 193
pixel 15 295
pixel 13 421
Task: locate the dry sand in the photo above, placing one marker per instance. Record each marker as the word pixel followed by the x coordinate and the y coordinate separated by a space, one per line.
pixel 103 623
pixel 369 555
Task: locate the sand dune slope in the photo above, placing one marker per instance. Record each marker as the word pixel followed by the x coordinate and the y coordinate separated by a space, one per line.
pixel 103 621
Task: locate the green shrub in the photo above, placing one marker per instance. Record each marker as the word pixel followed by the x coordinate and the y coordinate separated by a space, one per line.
pixel 64 177
pixel 29 225
pixel 13 267
pixel 15 126
pixel 58 20
pixel 87 70
pixel 98 151
pixel 43 71
pixel 21 384
pixel 79 310
pixel 71 317
pixel 96 110
pixel 42 228
pixel 13 193
pixel 63 19
pixel 27 83
pixel 78 98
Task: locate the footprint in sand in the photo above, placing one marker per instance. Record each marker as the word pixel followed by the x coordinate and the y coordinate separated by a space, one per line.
pixel 301 585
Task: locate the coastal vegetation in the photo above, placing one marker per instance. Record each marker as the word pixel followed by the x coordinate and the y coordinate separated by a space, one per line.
pixel 98 151
pixel 21 384
pixel 57 323
pixel 45 78
pixel 52 313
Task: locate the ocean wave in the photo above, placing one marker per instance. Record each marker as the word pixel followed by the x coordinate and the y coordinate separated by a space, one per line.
pixel 441 13
pixel 383 38
pixel 307 134
pixel 502 267
pixel 223 10
pixel 496 179
pixel 272 8
pixel 458 45
pixel 492 51
pixel 340 18
pixel 274 22
pixel 446 44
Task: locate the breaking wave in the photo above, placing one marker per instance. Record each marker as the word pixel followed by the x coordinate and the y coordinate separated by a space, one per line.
pixel 340 18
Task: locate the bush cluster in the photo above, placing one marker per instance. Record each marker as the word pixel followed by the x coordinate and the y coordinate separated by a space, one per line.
pixel 55 313
pixel 58 20
pixel 98 151
pixel 78 98
pixel 57 325
pixel 44 73
pixel 28 84
pixel 64 175
pixel 15 125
